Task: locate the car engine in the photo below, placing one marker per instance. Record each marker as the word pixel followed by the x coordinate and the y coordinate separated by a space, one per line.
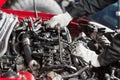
pixel 48 54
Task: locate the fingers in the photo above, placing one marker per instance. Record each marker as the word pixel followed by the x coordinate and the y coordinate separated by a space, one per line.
pixel 52 23
pixel 81 50
pixel 55 21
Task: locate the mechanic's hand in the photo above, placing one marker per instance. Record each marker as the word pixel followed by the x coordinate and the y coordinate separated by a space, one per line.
pixel 62 19
pixel 87 54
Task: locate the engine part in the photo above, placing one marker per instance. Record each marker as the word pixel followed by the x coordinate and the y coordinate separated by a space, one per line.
pixel 10 74
pixel 33 46
pixel 7 27
pixel 43 45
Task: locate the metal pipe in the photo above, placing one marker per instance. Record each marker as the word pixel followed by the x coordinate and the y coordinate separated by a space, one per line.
pixel 77 73
pixel 32 64
pixel 35 9
pixel 60 46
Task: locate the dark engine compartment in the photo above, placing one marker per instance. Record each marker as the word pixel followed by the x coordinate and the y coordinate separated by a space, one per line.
pixel 48 53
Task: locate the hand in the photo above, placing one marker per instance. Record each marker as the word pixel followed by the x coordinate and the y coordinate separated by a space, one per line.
pixel 87 54
pixel 62 19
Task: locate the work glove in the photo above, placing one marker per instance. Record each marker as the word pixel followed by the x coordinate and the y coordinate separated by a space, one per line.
pixel 86 54
pixel 62 20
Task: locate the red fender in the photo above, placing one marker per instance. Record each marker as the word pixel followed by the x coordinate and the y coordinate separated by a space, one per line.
pixel 22 76
pixel 2 2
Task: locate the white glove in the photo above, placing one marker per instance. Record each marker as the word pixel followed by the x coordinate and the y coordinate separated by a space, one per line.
pixel 62 19
pixel 87 54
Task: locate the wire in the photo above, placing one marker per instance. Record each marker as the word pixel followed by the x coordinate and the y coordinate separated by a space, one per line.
pixel 35 9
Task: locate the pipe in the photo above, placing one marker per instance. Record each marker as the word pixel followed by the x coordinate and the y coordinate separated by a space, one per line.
pixel 35 9
pixel 77 73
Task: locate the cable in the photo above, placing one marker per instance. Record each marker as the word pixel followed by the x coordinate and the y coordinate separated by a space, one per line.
pixel 35 9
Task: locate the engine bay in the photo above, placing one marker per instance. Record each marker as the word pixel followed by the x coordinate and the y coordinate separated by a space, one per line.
pixel 49 54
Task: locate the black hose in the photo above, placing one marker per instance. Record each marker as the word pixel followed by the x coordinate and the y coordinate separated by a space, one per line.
pixel 26 48
pixel 27 53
